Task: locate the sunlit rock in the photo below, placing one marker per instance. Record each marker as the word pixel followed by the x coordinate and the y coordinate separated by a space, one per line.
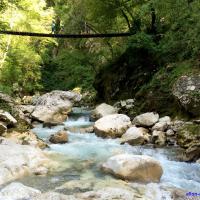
pixel 103 110
pixel 18 191
pixel 134 167
pixel 146 119
pixel 59 138
pixel 166 119
pixel 135 136
pixel 160 126
pixel 18 160
pixel 27 138
pixel 112 125
pixel 54 106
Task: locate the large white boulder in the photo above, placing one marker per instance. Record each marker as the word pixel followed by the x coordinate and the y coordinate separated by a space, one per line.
pixel 112 125
pixel 166 119
pixel 146 119
pixel 54 106
pixel 18 191
pixel 138 168
pixel 135 136
pixel 18 160
pixel 160 126
pixel 103 110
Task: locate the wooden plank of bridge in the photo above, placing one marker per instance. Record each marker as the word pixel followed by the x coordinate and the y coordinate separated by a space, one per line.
pixel 106 35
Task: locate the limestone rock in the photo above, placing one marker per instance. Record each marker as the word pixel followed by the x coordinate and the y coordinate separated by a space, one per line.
pixel 6 98
pixel 103 110
pixel 126 107
pixel 27 138
pixel 193 151
pixel 54 106
pixel 135 136
pixel 134 167
pixel 7 118
pixel 27 109
pixel 112 125
pixel 166 119
pixel 177 125
pixel 18 160
pixel 59 138
pixel 146 119
pixel 18 191
pixel 170 132
pixel 160 126
pixel 10 104
pixel 158 138
pixel 187 134
pixel 187 91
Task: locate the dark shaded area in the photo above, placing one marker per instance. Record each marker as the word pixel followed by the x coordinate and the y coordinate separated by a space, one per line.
pixel 123 78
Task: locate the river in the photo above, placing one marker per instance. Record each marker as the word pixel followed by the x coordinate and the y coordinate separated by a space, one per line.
pixel 81 158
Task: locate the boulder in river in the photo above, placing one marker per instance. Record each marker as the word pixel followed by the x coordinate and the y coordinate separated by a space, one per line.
pixel 54 106
pixel 160 126
pixel 158 138
pixel 166 119
pixel 59 138
pixel 135 136
pixel 26 138
pixel 112 125
pixel 187 91
pixel 138 168
pixel 18 191
pixel 103 110
pixel 146 119
pixel 18 160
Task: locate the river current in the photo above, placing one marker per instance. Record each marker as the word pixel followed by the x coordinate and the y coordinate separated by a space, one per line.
pixel 81 158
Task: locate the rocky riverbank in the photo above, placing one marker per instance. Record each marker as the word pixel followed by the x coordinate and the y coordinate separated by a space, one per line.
pixel 134 176
pixel 149 128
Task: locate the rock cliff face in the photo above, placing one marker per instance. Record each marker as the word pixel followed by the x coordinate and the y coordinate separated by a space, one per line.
pixel 187 92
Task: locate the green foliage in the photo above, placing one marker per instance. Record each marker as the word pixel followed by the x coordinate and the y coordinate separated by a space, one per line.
pixel 158 91
pixel 164 46
pixel 68 70
pixel 21 68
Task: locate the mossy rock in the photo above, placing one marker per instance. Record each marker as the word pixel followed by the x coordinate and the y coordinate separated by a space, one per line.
pixel 188 134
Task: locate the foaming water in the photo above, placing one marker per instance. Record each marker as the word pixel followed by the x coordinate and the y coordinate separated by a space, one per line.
pixel 85 152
